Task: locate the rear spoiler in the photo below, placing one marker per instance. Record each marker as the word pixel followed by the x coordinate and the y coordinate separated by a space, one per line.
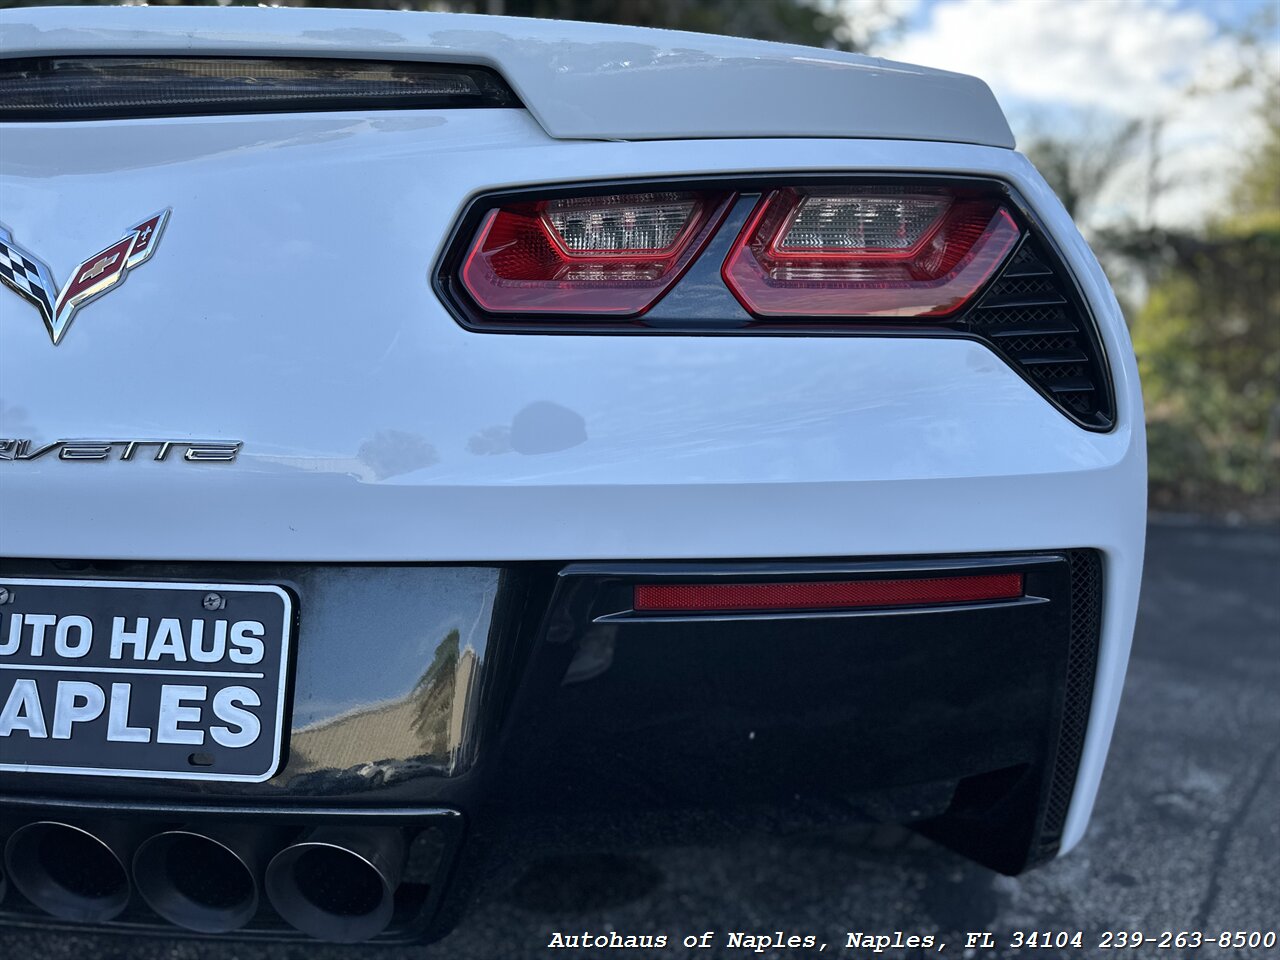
pixel 579 80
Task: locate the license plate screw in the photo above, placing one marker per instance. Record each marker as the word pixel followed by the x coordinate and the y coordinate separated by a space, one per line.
pixel 214 601
pixel 5 595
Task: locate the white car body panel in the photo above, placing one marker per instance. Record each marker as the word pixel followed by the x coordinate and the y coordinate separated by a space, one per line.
pixel 289 306
pixel 579 80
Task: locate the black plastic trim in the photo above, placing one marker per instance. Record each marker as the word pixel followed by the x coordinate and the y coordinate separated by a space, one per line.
pixel 995 720
pixel 79 807
pixel 811 615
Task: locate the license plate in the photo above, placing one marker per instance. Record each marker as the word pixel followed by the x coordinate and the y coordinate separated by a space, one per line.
pixel 180 681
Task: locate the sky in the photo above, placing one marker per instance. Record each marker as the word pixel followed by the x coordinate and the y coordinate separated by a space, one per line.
pixel 1086 66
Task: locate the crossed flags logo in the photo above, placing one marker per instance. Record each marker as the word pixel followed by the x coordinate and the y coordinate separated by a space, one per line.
pixel 30 279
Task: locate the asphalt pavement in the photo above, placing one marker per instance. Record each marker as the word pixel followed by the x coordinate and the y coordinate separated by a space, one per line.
pixel 1185 836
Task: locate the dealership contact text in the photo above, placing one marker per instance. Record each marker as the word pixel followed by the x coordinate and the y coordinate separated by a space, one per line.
pixel 868 944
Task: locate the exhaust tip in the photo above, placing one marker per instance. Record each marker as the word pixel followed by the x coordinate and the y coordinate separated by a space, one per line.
pixel 338 885
pixel 67 871
pixel 196 881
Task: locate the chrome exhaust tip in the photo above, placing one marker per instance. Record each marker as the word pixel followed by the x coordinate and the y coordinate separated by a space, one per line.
pixel 338 883
pixel 69 872
pixel 206 881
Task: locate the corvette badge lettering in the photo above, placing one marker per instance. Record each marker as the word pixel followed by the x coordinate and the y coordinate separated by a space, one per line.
pixel 197 451
pixel 30 279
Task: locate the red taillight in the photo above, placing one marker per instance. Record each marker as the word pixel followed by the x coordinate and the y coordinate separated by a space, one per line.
pixel 867 252
pixel 824 595
pixel 613 254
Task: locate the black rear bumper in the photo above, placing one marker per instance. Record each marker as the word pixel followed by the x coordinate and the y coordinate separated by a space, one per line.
pixel 532 693
pixel 967 719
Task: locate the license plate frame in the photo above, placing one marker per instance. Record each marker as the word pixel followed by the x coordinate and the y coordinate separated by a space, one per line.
pixel 268 606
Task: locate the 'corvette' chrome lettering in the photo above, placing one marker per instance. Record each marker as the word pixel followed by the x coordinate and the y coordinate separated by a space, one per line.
pixel 193 451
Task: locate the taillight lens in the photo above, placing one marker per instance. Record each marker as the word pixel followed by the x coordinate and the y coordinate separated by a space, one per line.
pixel 867 252
pixel 615 254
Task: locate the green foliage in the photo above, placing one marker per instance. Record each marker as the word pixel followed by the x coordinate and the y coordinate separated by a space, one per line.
pixel 1208 338
pixel 1208 344
pixel 1258 190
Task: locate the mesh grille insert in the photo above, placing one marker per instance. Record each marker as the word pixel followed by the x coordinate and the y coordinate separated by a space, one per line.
pixel 995 319
pixel 1080 402
pixel 1029 312
pixel 1024 262
pixel 1059 371
pixel 1082 658
pixel 1010 287
pixel 1034 344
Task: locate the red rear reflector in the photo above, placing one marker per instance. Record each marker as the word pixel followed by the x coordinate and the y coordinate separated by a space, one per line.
pixel 867 252
pixel 833 595
pixel 615 254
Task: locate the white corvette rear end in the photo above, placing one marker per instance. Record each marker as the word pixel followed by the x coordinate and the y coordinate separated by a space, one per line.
pixel 620 420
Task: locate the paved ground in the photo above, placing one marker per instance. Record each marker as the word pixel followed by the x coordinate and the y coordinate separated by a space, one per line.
pixel 1186 834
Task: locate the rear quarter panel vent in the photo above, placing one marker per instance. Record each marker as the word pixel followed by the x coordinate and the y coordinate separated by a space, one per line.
pixel 1032 316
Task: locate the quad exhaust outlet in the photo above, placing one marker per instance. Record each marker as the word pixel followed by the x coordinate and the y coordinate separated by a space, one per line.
pixel 70 872
pixel 207 881
pixel 338 884
pixel 334 882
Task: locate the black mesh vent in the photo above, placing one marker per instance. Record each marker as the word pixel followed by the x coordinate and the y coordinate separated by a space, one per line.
pixel 1024 257
pixel 1031 317
pixel 1082 658
pixel 1044 343
pixel 1081 403
pixel 1011 320
pixel 1055 372
pixel 1016 286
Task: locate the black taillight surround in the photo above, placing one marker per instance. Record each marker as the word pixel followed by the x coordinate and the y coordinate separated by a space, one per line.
pixel 1059 315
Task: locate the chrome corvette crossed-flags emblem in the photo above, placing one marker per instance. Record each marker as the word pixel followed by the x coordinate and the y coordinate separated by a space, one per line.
pixel 30 279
